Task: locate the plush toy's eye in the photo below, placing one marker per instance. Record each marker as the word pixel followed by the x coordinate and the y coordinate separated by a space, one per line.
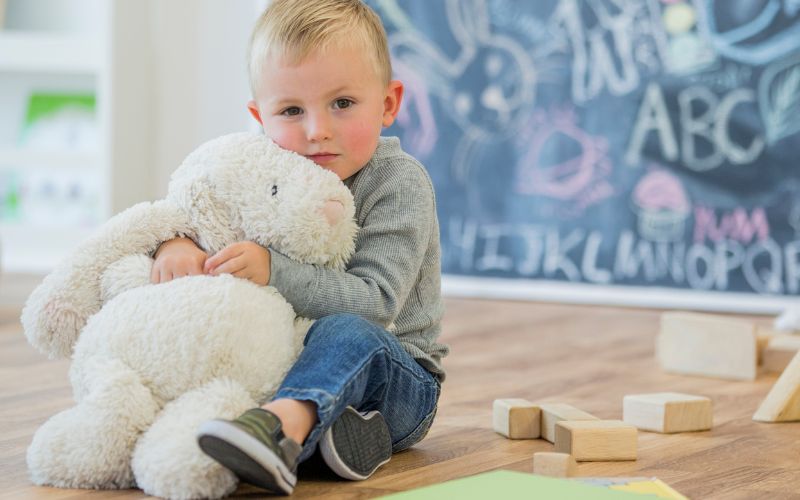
pixel 274 190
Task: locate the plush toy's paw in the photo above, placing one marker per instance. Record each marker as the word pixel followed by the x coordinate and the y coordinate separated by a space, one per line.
pixel 128 272
pixel 168 462
pixel 67 457
pixel 52 324
pixel 90 445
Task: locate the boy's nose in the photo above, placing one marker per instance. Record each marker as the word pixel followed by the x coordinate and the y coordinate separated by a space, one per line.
pixel 318 129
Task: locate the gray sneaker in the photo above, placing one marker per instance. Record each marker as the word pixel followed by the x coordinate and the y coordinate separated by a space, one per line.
pixel 254 448
pixel 356 444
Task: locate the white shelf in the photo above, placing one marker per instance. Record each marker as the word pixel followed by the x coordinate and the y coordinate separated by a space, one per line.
pixel 36 52
pixel 25 159
pixel 37 249
pixel 98 47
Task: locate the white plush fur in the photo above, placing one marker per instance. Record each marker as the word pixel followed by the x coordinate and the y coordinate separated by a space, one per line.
pixel 151 362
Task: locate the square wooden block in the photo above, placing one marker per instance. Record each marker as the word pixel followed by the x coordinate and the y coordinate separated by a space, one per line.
pixel 667 412
pixel 707 344
pixel 516 418
pixel 556 412
pixel 596 440
pixel 546 463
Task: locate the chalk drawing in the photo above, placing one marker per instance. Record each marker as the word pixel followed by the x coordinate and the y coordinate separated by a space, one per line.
pixel 734 225
pixel 683 49
pixel 487 87
pixel 661 205
pixel 581 180
pixel 711 126
pixel 779 98
pixel 595 61
pixel 766 30
pixel 576 255
pixel 416 113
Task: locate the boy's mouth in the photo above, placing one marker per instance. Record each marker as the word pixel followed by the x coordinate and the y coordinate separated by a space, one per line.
pixel 322 158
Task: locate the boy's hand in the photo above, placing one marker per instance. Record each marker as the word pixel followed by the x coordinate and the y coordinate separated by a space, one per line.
pixel 244 259
pixel 176 258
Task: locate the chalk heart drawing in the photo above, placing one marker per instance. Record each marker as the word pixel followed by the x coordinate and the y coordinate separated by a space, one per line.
pixel 754 38
pixel 580 179
pixel 661 205
pixel 779 98
pixel 487 87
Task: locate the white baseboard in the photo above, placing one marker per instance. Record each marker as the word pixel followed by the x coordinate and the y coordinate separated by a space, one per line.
pixel 630 296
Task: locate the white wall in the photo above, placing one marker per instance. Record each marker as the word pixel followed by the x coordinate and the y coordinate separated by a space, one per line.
pixel 200 80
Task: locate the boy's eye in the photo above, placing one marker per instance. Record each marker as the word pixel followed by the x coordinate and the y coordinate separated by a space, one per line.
pixel 292 111
pixel 342 103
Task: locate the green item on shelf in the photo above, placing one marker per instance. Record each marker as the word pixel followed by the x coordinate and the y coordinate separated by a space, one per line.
pixel 60 121
pixel 9 208
pixel 42 105
pixel 511 485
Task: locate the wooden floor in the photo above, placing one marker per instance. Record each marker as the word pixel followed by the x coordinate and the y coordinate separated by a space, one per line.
pixel 587 356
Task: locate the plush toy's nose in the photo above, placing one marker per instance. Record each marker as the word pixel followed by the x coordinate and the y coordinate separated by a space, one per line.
pixel 333 211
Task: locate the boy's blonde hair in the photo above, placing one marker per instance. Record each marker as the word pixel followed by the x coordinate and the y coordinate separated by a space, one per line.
pixel 296 28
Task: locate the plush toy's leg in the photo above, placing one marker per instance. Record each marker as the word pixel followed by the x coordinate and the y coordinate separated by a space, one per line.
pixel 168 462
pixel 90 445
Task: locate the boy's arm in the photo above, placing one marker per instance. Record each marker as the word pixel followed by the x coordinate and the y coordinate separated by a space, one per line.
pixel 390 247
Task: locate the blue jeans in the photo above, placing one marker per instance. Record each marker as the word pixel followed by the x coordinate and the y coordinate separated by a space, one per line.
pixel 348 361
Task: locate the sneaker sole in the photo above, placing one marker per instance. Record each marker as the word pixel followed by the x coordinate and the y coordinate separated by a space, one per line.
pixel 356 445
pixel 247 457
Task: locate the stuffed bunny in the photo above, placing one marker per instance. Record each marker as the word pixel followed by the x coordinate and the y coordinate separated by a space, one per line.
pixel 151 362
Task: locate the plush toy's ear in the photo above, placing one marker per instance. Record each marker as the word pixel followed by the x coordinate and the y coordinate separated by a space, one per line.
pixel 212 219
pixel 56 311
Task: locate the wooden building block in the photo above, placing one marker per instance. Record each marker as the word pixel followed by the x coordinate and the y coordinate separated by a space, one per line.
pixel 763 336
pixel 782 404
pixel 667 412
pixel 779 352
pixel 516 418
pixel 596 440
pixel 707 345
pixel 555 412
pixel 546 463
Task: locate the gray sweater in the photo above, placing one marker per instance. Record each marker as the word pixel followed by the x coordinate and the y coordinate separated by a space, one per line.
pixel 393 279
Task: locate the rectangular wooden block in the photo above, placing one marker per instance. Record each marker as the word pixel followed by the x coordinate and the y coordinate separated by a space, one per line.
pixel 779 351
pixel 596 440
pixel 516 418
pixel 763 336
pixel 555 412
pixel 546 463
pixel 707 345
pixel 782 404
pixel 667 412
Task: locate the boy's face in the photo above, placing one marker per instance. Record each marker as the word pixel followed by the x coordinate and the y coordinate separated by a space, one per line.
pixel 330 107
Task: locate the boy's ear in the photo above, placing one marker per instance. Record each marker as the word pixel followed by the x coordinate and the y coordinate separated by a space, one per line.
pixel 391 103
pixel 253 108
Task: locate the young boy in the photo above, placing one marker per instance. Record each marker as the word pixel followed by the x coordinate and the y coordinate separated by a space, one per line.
pixel 368 380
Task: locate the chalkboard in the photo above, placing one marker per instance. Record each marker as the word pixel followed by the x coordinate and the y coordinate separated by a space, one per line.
pixel 618 144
